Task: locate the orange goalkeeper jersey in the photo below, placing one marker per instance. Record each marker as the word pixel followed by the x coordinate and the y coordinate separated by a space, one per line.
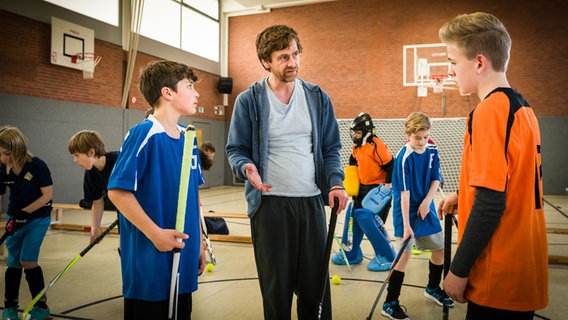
pixel 370 158
pixel 502 153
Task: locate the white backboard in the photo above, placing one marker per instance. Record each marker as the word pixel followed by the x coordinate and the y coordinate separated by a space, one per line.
pixel 68 39
pixel 423 63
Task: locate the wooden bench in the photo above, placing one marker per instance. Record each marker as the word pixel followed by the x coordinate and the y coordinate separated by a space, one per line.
pixel 555 259
pixel 60 207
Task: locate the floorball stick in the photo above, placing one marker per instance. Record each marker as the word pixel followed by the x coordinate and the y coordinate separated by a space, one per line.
pixel 327 253
pixel 181 211
pixel 43 292
pixel 394 263
pixel 206 234
pixel 447 252
pixel 341 251
pixel 10 229
pixel 349 245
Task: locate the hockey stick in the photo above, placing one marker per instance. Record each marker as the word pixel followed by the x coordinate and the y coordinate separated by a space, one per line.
pixel 342 252
pixel 327 253
pixel 43 292
pixel 447 251
pixel 4 237
pixel 189 136
pixel 206 234
pixel 10 229
pixel 394 263
pixel 349 246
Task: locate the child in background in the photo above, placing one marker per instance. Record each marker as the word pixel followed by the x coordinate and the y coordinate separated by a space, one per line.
pixel 416 177
pixel 29 180
pixel 144 186
pixel 88 150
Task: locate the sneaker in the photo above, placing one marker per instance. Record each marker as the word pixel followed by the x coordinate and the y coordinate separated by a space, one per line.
pixel 415 251
pixel 10 314
pixel 379 263
pixel 339 258
pixel 38 313
pixel 439 296
pixel 393 310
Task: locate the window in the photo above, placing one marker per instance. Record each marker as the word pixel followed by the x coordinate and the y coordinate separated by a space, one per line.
pixel 161 21
pixel 103 10
pixel 190 25
pixel 200 35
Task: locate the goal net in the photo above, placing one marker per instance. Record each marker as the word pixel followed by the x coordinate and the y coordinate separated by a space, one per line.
pixel 447 133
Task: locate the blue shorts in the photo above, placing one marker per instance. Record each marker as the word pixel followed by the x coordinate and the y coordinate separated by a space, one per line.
pixel 25 243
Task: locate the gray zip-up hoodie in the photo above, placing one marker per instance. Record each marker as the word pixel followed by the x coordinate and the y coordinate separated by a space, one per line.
pixel 248 139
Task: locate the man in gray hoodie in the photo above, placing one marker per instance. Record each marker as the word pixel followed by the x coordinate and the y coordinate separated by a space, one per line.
pixel 284 142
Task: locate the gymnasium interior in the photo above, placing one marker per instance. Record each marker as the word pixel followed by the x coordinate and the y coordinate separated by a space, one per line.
pixel 66 67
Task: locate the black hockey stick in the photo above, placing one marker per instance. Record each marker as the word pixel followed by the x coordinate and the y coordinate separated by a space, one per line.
pixel 449 219
pixel 10 229
pixel 4 237
pixel 394 263
pixel 327 253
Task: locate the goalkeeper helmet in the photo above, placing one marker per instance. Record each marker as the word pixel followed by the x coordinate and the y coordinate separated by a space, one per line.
pixel 364 123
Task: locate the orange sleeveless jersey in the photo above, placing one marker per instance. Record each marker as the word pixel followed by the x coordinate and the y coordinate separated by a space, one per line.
pixel 369 161
pixel 512 271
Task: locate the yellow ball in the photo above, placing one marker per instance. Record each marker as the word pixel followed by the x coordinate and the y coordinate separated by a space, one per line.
pixel 336 279
pixel 210 267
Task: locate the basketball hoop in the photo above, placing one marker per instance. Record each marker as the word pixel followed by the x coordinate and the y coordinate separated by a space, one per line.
pixel 88 62
pixel 439 82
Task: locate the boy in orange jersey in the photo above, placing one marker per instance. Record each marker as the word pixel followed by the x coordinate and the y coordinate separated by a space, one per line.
pixel 500 199
pixel 374 165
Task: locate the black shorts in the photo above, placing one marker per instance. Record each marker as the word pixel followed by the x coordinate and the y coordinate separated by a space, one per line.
pixel 140 309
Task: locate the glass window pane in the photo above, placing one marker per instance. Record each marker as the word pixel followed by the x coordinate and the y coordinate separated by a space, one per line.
pixel 200 35
pixel 161 21
pixel 209 7
pixel 103 10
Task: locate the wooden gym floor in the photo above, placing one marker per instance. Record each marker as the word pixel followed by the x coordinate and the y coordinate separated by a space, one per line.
pixel 91 289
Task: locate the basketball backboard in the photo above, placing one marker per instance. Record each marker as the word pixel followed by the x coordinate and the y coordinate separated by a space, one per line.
pixel 426 66
pixel 68 39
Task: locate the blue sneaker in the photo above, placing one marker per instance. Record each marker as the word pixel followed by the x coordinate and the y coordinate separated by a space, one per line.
pixel 439 296
pixel 379 263
pixel 392 310
pixel 339 258
pixel 10 314
pixel 38 313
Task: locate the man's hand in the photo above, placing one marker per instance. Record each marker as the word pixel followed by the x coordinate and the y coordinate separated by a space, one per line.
pixel 339 193
pixel 254 178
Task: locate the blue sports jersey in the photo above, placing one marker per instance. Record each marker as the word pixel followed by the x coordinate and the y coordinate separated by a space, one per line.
pixel 149 165
pixel 415 172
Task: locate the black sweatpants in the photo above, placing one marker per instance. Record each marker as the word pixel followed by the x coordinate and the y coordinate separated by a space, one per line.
pixel 288 236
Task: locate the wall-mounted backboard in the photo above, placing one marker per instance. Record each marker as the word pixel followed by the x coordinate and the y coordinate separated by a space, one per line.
pixel 68 39
pixel 426 66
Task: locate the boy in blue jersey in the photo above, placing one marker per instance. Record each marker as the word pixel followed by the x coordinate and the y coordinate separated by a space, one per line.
pixel 415 180
pixel 144 186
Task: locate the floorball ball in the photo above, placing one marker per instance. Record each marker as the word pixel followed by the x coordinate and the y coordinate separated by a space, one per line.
pixel 209 267
pixel 336 279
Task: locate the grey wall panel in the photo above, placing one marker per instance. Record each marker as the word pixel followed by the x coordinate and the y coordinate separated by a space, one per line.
pixel 49 124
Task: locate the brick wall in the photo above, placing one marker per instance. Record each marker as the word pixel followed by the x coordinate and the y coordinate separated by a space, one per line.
pixel 25 70
pixel 353 49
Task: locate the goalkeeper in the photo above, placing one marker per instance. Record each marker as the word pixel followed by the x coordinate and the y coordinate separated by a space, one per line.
pixel 373 164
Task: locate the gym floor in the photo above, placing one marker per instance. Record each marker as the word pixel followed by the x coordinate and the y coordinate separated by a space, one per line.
pixel 91 289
